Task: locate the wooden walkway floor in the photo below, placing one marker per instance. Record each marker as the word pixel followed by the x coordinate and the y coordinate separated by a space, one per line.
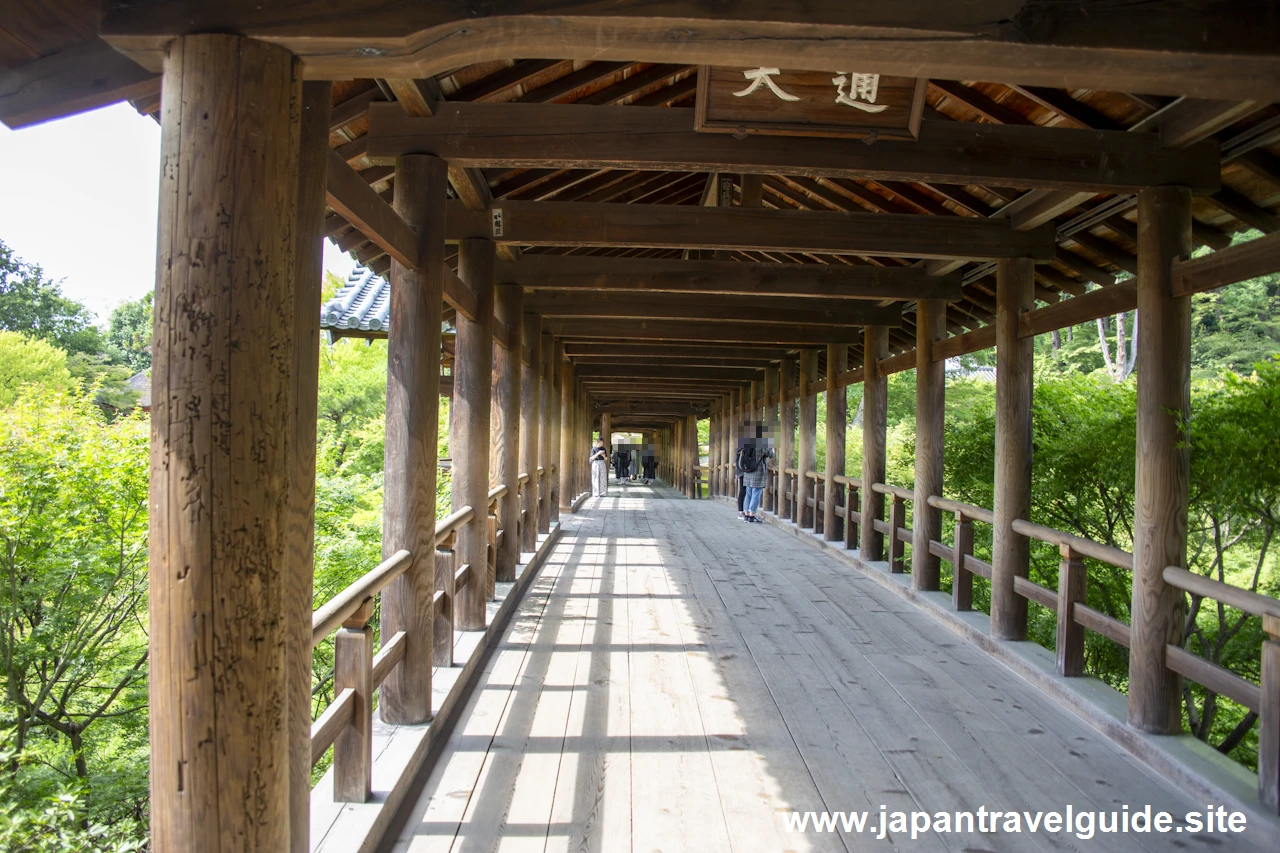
pixel 677 680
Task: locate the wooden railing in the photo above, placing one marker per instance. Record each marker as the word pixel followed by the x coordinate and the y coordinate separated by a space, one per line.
pixel 346 724
pixel 1068 601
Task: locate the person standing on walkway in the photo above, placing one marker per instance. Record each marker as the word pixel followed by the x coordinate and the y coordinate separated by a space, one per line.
pixel 737 472
pixel 599 470
pixel 753 460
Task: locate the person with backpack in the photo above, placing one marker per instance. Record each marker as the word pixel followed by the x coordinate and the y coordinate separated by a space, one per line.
pixel 753 463
pixel 737 475
pixel 599 460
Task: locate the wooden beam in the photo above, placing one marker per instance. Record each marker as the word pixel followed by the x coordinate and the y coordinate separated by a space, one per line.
pixel 637 350
pixel 768 334
pixel 662 371
pixel 80 78
pixel 348 194
pixel 583 224
pixel 1226 266
pixel 571 137
pixel 712 308
pixel 1162 47
pixel 833 281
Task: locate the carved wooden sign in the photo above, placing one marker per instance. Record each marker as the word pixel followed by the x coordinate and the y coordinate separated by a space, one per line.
pixel 808 103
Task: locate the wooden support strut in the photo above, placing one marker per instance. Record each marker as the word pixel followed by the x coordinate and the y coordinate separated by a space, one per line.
pixel 469 425
pixel 413 376
pixel 930 412
pixel 874 429
pixel 1163 461
pixel 1011 552
pixel 807 455
pixel 309 267
pixel 837 414
pixel 221 453
pixel 505 439
pixel 546 366
pixel 530 404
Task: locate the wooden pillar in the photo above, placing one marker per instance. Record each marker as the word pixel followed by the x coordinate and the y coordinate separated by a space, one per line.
pixel 768 501
pixel 787 440
pixel 309 269
pixel 1011 552
pixel 875 420
pixel 606 432
pixel 930 410
pixel 530 398
pixel 837 362
pixel 413 380
pixel 544 433
pixel 469 422
pixel 221 445
pixel 553 405
pixel 695 487
pixel 568 438
pixel 1163 462
pixel 807 456
pixel 505 441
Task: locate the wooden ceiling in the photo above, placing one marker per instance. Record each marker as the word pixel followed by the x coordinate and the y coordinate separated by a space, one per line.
pixel 1095 234
pixel 46 46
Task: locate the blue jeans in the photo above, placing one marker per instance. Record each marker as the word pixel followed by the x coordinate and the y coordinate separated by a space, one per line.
pixel 753 499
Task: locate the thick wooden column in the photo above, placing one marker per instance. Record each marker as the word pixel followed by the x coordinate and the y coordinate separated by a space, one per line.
pixel 469 422
pixel 544 433
pixel 837 414
pixel 807 457
pixel 506 427
pixel 606 433
pixel 695 488
pixel 787 440
pixel 1011 552
pixel 875 420
pixel 530 398
pixel 221 506
pixel 413 384
pixel 1163 462
pixel 930 410
pixel 769 501
pixel 568 438
pixel 553 405
pixel 309 268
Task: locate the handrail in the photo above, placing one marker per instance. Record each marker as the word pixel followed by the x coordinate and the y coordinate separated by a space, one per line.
pixel 893 491
pixel 448 525
pixel 856 482
pixel 977 513
pixel 497 493
pixel 1244 600
pixel 337 609
pixel 1084 547
pixel 523 478
pixel 541 471
pixel 325 730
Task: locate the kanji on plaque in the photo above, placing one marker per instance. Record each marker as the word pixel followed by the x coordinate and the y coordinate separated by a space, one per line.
pixel 808 103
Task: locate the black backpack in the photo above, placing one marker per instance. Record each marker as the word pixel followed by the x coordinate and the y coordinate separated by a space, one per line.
pixel 748 460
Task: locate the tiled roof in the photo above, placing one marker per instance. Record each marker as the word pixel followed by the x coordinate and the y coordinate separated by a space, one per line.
pixel 363 303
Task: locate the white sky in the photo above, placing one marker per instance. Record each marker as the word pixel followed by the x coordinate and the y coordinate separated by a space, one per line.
pixel 78 196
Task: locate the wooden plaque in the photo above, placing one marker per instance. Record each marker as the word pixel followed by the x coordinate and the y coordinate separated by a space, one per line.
pixel 808 103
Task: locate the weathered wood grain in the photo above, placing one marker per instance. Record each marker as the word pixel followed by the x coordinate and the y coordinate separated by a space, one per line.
pixel 504 456
pixel 470 420
pixel 1011 552
pixel 413 376
pixel 1163 461
pixel 222 511
pixel 926 521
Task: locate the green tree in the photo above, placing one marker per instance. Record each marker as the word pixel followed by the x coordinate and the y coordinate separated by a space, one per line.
pixel 26 362
pixel 129 332
pixel 73 525
pixel 34 305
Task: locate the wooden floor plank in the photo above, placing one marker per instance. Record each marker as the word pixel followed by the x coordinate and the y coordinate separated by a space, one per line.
pixel 676 680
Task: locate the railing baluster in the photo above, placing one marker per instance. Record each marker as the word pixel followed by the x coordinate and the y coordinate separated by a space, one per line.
pixel 353 668
pixel 1269 716
pixel 492 555
pixel 442 626
pixel 962 578
pixel 897 518
pixel 1072 579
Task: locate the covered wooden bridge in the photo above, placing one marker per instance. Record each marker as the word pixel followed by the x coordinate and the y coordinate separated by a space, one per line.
pixel 636 216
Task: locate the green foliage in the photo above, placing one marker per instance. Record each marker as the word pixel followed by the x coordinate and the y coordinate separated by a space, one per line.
pixel 129 332
pixel 34 305
pixel 26 362
pixel 73 520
